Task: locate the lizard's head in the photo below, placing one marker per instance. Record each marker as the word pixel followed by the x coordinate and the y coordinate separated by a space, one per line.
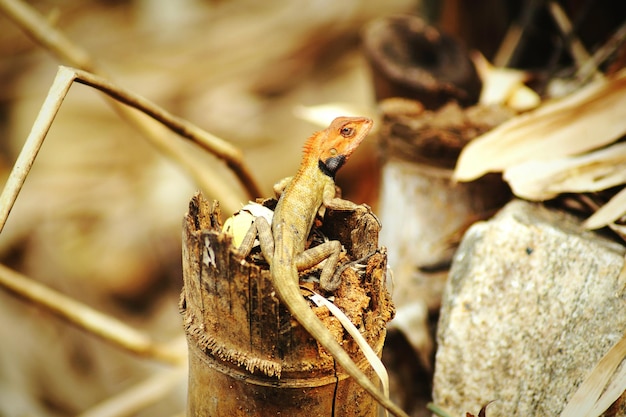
pixel 334 145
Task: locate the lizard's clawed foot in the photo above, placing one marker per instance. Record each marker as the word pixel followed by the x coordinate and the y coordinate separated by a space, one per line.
pixel 333 283
pixel 358 264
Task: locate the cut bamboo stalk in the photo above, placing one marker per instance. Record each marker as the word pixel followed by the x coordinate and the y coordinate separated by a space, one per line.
pixel 410 59
pixel 424 211
pixel 247 355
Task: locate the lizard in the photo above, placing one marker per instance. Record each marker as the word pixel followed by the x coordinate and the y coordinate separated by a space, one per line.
pixel 283 243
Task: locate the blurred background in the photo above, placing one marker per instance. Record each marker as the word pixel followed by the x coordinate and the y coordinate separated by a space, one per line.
pixel 99 218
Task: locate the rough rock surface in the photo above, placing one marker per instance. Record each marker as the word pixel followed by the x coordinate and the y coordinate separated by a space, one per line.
pixel 532 303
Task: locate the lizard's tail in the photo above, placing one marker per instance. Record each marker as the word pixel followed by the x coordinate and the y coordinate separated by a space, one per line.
pixel 309 320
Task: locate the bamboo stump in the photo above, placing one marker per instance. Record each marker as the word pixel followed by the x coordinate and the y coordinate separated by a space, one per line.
pixel 247 355
pixel 410 59
pixel 424 211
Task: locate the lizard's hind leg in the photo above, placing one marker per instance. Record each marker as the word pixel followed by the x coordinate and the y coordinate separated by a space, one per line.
pixel 328 251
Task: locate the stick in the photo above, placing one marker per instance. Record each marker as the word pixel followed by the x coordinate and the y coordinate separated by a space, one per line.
pixel 26 158
pixel 576 47
pixel 87 318
pixel 59 89
pixel 138 397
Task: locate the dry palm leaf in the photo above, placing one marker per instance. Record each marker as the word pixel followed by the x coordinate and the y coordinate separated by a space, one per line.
pixel 610 212
pixel 594 396
pixel 590 118
pixel 545 179
pixel 504 85
pixel 368 352
pixel 323 114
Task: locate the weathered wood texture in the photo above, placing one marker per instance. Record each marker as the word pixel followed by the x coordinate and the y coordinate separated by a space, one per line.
pixel 248 357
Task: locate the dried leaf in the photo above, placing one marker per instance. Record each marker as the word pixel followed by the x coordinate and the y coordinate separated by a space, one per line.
pixel 608 213
pixel 482 412
pixel 544 179
pixel 619 230
pixel 504 86
pixel 523 98
pixel 590 400
pixel 613 391
pixel 323 114
pixel 592 117
pixel 368 352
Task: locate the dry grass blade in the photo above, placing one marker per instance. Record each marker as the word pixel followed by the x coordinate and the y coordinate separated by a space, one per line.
pixel 59 89
pixel 40 30
pixel 576 48
pixel 590 400
pixel 438 410
pixel 544 179
pixel 84 317
pixel 368 352
pixel 26 158
pixel 592 117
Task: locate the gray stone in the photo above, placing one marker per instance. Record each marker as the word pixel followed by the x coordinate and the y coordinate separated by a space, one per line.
pixel 532 303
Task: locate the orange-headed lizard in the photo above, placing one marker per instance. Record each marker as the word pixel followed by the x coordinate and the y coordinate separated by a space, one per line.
pixel 283 246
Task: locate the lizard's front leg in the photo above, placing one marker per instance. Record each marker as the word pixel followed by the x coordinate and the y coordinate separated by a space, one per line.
pixel 330 277
pixel 330 201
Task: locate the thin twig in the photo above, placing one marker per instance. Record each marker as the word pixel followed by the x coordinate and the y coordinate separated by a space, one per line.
pixel 508 45
pixel 138 397
pixel 603 53
pixel 218 147
pixel 511 47
pixel 87 318
pixel 59 89
pixel 38 28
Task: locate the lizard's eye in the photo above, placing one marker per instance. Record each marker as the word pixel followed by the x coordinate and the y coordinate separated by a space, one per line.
pixel 333 151
pixel 347 132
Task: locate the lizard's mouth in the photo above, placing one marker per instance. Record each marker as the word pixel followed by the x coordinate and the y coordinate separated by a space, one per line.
pixel 332 165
